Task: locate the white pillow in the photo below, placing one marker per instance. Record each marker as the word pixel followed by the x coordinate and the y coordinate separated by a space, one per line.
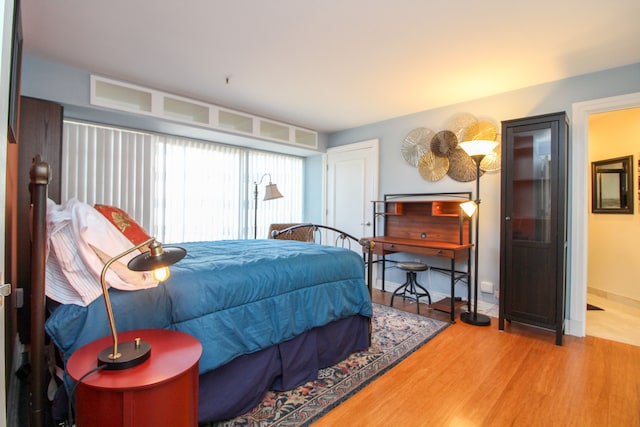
pixel 73 229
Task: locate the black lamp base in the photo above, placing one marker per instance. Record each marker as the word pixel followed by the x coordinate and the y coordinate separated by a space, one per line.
pixel 132 353
pixel 476 319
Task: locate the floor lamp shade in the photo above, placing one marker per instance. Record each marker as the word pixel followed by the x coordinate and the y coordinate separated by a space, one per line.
pixel 477 150
pixel 478 147
pixel 270 192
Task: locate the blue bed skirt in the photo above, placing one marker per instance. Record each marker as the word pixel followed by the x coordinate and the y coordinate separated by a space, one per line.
pixel 238 386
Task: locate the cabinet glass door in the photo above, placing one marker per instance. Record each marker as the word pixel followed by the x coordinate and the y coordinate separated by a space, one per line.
pixel 531 216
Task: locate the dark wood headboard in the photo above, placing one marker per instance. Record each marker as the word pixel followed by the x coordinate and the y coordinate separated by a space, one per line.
pixel 40 135
pixel 39 179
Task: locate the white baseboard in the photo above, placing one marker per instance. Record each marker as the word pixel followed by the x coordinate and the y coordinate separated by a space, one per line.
pixel 574 327
pixel 614 297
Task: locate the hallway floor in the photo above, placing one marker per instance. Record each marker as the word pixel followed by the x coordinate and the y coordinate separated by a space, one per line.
pixel 617 321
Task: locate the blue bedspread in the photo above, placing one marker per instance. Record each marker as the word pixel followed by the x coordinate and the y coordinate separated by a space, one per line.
pixel 236 297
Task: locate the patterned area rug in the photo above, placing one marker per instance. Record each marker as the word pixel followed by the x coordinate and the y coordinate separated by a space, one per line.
pixel 396 334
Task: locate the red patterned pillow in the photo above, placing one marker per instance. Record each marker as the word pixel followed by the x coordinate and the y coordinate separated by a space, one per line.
pixel 124 223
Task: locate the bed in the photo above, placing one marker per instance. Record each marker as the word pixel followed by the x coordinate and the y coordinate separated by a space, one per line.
pixel 269 314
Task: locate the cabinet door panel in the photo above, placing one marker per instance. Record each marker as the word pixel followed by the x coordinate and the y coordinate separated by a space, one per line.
pixel 530 295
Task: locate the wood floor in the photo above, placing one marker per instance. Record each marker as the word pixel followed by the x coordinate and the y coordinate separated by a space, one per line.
pixel 479 376
pixel 617 321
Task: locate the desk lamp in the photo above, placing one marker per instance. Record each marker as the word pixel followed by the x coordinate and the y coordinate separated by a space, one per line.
pixel 477 149
pixel 158 260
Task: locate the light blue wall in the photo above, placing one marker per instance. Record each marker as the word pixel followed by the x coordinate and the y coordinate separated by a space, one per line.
pixel 313 179
pixel 396 176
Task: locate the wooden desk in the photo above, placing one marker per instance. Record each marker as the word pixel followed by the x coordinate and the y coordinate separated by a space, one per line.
pixel 425 224
pixel 452 251
pixel 162 391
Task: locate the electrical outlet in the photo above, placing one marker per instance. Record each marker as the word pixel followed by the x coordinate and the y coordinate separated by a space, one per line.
pixel 486 287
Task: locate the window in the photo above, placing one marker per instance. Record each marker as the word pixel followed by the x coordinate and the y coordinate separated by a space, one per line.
pixel 177 188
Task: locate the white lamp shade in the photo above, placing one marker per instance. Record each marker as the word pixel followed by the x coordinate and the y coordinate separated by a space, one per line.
pixel 469 207
pixel 478 147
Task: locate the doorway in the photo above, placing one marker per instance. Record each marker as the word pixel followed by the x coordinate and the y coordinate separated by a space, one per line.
pixel 613 296
pixel 580 196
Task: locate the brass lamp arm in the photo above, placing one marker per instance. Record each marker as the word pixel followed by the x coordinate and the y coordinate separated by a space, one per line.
pixel 256 183
pixel 105 291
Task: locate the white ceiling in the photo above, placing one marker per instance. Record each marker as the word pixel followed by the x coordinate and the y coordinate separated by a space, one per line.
pixel 334 64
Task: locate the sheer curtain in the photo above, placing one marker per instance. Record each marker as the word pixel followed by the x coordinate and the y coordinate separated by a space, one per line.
pixel 177 188
pixel 199 184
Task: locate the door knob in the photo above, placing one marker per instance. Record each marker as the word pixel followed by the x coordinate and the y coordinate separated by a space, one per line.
pixel 368 223
pixel 507 218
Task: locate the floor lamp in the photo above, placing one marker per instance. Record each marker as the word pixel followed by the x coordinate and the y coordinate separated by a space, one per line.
pixel 477 150
pixel 270 192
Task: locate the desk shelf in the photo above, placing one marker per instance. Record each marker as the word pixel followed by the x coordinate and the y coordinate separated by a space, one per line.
pixel 388 208
pixel 446 208
pixel 444 305
pixel 437 220
pixel 432 207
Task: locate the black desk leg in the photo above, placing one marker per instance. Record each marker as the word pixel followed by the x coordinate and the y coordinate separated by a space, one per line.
pixel 453 293
pixel 469 280
pixel 384 269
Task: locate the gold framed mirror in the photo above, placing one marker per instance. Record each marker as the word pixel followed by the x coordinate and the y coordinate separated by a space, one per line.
pixel 612 186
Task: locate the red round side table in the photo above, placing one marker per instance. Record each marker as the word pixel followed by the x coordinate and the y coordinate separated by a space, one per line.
pixel 161 391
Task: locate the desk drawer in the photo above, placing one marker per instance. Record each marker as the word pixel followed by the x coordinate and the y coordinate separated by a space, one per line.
pixel 393 247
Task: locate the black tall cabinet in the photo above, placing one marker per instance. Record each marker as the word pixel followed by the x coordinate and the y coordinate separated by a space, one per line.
pixel 533 244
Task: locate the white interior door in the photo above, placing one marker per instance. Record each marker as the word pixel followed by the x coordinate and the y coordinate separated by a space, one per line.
pixel 351 185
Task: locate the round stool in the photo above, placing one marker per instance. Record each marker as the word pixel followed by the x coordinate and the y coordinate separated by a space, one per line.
pixel 411 288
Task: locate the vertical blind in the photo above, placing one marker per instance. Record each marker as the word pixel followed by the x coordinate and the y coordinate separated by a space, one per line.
pixel 109 166
pixel 177 188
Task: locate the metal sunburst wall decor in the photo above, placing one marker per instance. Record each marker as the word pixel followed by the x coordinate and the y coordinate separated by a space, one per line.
pixel 437 154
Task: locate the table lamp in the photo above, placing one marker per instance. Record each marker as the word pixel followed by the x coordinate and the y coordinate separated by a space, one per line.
pixel 156 259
